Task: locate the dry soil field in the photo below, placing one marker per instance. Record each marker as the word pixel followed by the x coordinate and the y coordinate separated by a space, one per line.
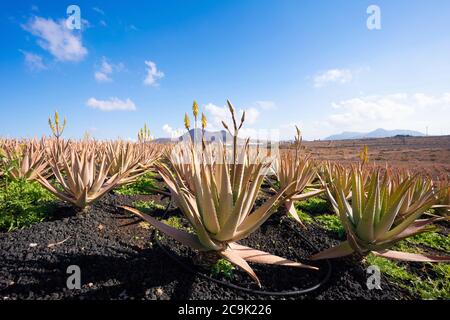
pixel 425 154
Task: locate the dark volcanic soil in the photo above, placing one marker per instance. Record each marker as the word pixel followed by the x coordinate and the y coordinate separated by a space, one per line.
pixel 119 261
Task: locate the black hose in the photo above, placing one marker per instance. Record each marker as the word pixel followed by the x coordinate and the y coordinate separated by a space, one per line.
pixel 252 291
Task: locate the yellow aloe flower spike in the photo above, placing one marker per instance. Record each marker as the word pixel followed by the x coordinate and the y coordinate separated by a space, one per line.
pixel 195 109
pixel 203 121
pixel 186 121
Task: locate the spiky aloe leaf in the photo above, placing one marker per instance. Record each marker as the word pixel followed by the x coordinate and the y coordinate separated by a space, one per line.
pixel 413 257
pixel 258 256
pixel 377 217
pixel 185 238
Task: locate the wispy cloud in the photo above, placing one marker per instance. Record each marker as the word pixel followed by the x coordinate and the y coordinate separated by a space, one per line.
pixel 34 62
pixel 394 111
pixel 333 76
pixel 102 77
pixel 173 133
pixel 265 105
pixel 132 27
pixel 153 74
pixel 112 104
pixel 105 70
pixel 53 36
pixel 373 109
pixel 216 115
pixel 103 74
pixel 98 10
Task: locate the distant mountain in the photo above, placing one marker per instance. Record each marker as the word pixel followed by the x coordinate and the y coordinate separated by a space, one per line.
pixel 197 135
pixel 378 133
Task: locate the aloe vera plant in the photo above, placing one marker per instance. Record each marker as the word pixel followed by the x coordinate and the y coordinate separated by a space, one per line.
pixel 82 174
pixel 144 134
pixel 425 184
pixel 25 159
pixel 216 192
pixel 135 159
pixel 296 172
pixel 442 187
pixel 330 171
pixel 380 214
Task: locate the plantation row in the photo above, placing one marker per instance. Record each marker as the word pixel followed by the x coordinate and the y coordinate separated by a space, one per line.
pixel 216 187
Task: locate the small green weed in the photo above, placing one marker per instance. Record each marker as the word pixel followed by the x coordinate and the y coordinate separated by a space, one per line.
pixel 426 286
pixel 23 203
pixel 147 206
pixel 331 222
pixel 174 222
pixel 222 267
pixel 432 240
pixel 304 217
pixel 143 186
pixel 314 205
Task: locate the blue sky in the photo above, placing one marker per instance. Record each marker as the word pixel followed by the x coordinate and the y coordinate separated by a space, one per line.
pixel 310 63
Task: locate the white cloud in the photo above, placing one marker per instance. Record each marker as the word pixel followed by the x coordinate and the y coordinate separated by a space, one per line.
pixel 173 133
pixel 333 76
pixel 106 70
pixel 222 113
pixel 33 61
pixel 106 67
pixel 103 23
pixel 102 77
pixel 168 129
pixel 394 111
pixel 132 27
pixel 85 24
pixel 64 44
pixel 98 10
pixel 251 115
pixel 371 109
pixel 153 74
pixel 216 115
pixel 424 100
pixel 265 105
pixel 112 104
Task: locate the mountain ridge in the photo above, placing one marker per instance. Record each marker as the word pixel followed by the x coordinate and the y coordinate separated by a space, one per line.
pixel 378 133
pixel 196 135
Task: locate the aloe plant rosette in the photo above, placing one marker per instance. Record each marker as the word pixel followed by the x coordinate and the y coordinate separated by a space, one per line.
pixel 380 214
pixel 217 196
pixel 295 172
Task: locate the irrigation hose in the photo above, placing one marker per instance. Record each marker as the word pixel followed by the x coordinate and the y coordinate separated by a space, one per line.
pixel 252 291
